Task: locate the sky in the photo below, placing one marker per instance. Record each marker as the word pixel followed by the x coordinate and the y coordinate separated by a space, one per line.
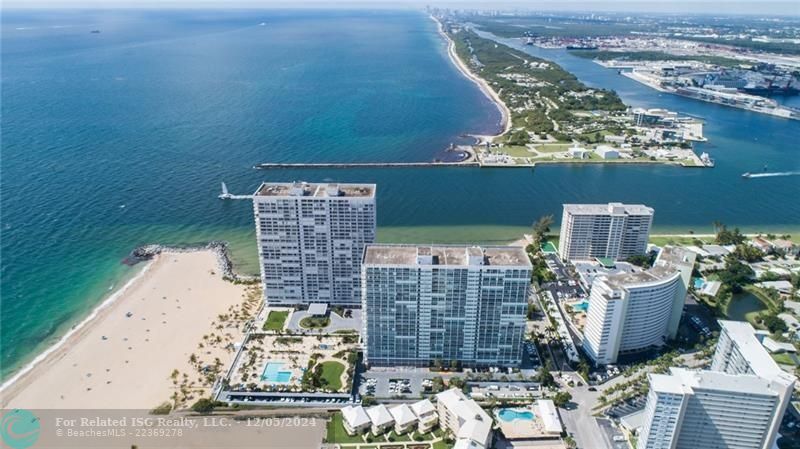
pixel 770 7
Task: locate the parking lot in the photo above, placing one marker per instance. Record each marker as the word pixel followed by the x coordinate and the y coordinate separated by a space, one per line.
pixel 386 383
pixel 564 287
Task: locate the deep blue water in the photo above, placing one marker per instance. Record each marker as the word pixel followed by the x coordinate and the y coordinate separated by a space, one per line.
pixel 157 109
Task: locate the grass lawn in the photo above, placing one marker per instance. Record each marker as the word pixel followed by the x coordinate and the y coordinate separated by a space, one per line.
pixel 395 437
pixel 661 240
pixel 553 147
pixel 784 359
pixel 515 151
pixel 441 444
pixel 275 320
pixel 315 322
pixel 332 374
pixel 421 437
pixel 337 434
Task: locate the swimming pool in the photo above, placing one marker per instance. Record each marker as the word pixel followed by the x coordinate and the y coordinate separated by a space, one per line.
pixel 510 414
pixel 273 373
pixel 699 283
pixel 582 306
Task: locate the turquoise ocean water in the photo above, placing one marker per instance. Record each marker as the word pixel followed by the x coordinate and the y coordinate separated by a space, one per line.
pixel 119 138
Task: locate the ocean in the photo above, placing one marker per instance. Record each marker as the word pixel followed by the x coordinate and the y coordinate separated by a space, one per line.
pixel 120 138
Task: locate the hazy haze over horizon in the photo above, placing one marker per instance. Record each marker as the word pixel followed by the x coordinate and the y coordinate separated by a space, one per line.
pixel 774 7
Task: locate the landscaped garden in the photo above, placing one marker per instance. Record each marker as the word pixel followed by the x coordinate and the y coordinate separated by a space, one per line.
pixel 331 373
pixel 276 320
pixel 315 322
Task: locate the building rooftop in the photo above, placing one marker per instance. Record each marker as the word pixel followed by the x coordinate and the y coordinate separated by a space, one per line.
pixel 423 408
pixel 402 414
pixel 671 261
pixel 316 190
pixel 761 363
pixel 549 415
pixel 379 415
pixel 687 381
pixel 589 270
pixel 675 257
pixel 620 280
pixel 445 255
pixel 317 309
pixel 477 424
pixel 355 416
pixel 610 208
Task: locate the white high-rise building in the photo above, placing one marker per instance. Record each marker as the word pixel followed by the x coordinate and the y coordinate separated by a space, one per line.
pixel 740 351
pixel 451 304
pixel 738 404
pixel 631 312
pixel 613 230
pixel 310 241
pixel 710 410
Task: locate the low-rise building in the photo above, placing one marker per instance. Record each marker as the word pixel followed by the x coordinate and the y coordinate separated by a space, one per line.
pixel 764 245
pixel 355 419
pixel 404 418
pixel 786 246
pixel 465 419
pixel 607 152
pixel 426 415
pixel 549 414
pixel 578 153
pixel 782 287
pixel 381 419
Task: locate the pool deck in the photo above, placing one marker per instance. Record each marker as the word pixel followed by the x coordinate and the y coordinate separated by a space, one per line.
pixel 520 429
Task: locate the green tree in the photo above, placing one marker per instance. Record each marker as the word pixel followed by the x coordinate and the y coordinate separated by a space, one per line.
pixel 735 273
pixel 642 260
pixel 544 377
pixel 531 310
pixel 541 227
pixel 728 237
pixel 562 398
pixel 748 253
pixel 204 406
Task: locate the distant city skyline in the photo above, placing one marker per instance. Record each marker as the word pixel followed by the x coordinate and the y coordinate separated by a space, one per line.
pixel 775 7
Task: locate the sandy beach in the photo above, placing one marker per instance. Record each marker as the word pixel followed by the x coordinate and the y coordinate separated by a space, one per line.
pixel 482 84
pixel 126 356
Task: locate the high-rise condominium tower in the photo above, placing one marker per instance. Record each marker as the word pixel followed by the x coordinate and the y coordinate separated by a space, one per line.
pixel 310 241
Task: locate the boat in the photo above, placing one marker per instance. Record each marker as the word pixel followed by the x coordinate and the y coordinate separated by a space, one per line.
pixel 582 47
pixel 747 175
pixel 95 32
pixel 706 159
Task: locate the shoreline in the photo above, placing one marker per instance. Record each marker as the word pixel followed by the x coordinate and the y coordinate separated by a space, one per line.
pixel 142 254
pixel 75 331
pixel 487 90
pixel 171 273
